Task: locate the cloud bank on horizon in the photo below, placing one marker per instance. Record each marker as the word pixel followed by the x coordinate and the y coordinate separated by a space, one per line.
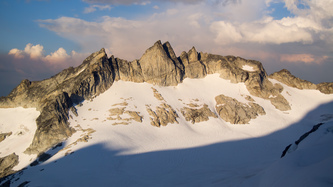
pixel 294 34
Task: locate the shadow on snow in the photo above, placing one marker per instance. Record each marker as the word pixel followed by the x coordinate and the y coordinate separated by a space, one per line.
pixel 225 163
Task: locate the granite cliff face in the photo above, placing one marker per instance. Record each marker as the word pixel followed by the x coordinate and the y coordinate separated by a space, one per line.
pixel 159 65
pixel 55 96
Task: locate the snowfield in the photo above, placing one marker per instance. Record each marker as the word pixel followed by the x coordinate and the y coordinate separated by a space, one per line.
pixel 21 123
pixel 210 153
pixel 248 68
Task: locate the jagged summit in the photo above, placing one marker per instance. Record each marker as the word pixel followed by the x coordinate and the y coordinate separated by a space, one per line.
pixel 159 65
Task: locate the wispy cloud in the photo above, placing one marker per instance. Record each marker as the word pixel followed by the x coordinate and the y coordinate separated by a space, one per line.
pixel 306 58
pixel 93 8
pixel 141 2
pixel 145 2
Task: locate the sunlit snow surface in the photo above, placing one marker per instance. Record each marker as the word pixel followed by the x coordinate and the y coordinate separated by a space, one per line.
pixel 248 68
pixel 211 153
pixel 22 123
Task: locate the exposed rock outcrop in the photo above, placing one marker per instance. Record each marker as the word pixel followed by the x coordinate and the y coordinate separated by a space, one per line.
pixel 235 112
pixel 3 136
pixel 196 115
pixel 7 163
pixel 162 115
pixel 325 87
pixel 115 114
pixel 280 102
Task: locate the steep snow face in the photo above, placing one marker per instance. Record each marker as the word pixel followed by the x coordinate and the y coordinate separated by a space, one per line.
pixel 21 122
pixel 110 147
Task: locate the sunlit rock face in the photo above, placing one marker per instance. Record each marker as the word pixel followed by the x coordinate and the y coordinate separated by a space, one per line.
pixel 287 78
pixel 236 112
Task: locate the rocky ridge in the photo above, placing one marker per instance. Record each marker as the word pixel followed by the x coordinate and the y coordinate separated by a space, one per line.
pixel 159 65
pixel 287 78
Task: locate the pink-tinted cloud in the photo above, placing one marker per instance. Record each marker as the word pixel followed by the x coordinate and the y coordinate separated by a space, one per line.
pixel 306 58
pixel 33 51
pixel 59 58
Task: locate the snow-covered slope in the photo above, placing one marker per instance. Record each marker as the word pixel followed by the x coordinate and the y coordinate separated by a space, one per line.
pixel 21 124
pixel 106 152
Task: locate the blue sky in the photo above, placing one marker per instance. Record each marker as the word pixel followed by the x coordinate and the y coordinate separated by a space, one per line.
pixel 39 38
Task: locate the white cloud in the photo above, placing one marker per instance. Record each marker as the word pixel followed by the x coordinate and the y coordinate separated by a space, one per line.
pixel 264 31
pixel 194 19
pixel 127 38
pixel 33 51
pixel 226 33
pixel 93 8
pixel 310 24
pixel 59 57
pixel 213 25
pixel 17 53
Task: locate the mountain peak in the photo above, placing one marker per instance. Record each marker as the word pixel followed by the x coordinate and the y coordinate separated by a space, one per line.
pixel 159 65
pixel 192 55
